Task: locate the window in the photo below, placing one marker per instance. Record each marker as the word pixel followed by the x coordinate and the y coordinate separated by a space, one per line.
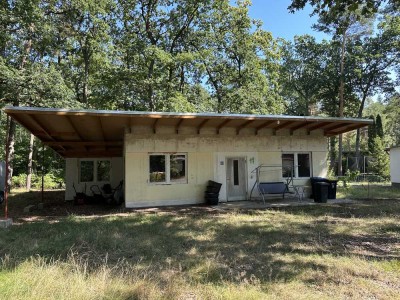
pixel 157 168
pixel 235 172
pixel 103 170
pixel 297 163
pixel 87 171
pixel 95 170
pixel 168 168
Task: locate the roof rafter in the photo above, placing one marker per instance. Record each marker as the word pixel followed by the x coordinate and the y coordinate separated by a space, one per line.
pixel 297 127
pixel 244 125
pixel 265 124
pixel 283 126
pixel 201 125
pixel 319 125
pixel 222 125
pixel 155 125
pixel 178 125
pixel 337 126
pixel 349 127
pixel 42 127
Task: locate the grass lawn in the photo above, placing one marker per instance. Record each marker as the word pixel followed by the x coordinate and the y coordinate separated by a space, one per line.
pixel 315 252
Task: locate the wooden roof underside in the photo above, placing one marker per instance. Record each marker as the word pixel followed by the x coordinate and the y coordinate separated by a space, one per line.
pixel 88 133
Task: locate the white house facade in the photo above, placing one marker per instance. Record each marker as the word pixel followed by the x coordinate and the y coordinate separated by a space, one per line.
pixel 168 158
pixel 395 166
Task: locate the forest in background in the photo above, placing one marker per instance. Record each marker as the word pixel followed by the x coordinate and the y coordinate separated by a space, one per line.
pixel 198 56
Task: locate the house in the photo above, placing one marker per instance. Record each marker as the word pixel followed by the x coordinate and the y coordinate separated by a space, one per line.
pixel 167 158
pixel 395 166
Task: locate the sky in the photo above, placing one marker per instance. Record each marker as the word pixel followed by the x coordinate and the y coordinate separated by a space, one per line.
pixel 281 23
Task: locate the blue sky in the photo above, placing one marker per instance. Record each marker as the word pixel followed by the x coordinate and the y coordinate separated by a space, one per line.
pixel 281 23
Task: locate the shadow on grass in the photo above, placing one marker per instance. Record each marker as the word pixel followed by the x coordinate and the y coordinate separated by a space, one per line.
pixel 206 247
pixel 201 244
pixel 363 209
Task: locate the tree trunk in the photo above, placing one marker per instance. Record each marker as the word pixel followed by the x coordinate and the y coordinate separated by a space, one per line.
pixel 150 88
pixel 16 102
pixel 332 153
pixel 341 101
pixel 85 88
pixel 10 145
pixel 30 160
pixel 358 138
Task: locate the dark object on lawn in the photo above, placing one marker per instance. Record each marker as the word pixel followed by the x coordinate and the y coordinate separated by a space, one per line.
pixel 1 197
pixel 321 192
pixel 107 194
pixel 331 188
pixel 212 192
pixel 80 198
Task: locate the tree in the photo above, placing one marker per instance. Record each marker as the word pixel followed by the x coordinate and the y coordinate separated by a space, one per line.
pixel 301 74
pixel 373 59
pixel 339 7
pixel 27 75
pixel 344 27
pixel 379 126
pixel 392 112
pixel 371 135
pixel 380 162
pixel 239 60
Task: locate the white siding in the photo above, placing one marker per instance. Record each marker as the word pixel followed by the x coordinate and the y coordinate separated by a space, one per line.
pixel 395 166
pixel 206 155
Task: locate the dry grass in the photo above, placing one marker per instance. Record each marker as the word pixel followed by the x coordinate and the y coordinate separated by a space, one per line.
pixel 319 252
pixel 368 190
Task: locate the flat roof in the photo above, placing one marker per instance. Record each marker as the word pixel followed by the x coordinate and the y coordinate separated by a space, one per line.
pixel 100 133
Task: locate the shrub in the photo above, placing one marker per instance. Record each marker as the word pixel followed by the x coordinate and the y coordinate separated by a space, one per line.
pixel 19 181
pixel 50 181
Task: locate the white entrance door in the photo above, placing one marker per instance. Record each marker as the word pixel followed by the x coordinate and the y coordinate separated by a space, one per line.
pixel 236 178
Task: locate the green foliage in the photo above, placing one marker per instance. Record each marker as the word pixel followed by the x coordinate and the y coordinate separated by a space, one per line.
pixel 50 181
pixel 339 7
pixel 380 162
pixel 379 127
pixel 19 181
pixel 392 111
pixel 371 135
pixel 352 175
pixel 186 56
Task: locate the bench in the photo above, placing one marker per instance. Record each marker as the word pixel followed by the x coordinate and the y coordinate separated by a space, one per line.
pixel 272 188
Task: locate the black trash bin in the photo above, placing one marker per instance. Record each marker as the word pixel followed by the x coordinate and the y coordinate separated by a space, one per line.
pixel 332 188
pixel 314 181
pixel 321 192
pixel 211 195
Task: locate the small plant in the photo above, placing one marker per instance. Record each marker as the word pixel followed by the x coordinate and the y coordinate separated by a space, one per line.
pixel 352 175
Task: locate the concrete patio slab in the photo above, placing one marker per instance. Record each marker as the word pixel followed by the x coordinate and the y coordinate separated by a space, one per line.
pixel 258 204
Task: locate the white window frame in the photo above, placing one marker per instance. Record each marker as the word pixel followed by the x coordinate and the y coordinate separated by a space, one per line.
pixel 296 163
pixel 168 169
pixel 95 174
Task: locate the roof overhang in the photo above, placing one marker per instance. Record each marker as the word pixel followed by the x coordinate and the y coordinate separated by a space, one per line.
pixel 100 133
